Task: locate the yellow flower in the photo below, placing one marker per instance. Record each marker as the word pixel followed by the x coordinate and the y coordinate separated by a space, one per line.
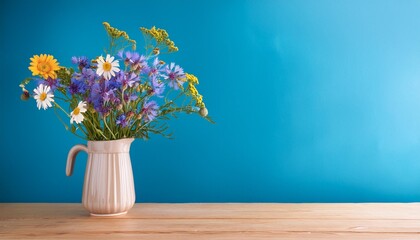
pixel 191 78
pixel 192 89
pixel 44 65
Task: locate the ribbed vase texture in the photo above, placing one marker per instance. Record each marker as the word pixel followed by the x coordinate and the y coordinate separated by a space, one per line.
pixel 109 186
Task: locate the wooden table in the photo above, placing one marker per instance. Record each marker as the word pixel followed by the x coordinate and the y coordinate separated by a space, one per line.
pixel 214 221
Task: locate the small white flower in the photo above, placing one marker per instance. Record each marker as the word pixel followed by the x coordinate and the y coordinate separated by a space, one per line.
pixel 77 115
pixel 107 67
pixel 43 96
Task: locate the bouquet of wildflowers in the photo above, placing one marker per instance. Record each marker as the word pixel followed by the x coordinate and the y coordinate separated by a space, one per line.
pixel 123 94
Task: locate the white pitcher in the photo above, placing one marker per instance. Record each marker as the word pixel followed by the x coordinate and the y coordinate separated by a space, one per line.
pixel 108 189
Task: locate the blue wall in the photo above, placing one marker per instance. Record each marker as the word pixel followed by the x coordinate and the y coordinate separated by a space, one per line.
pixel 315 101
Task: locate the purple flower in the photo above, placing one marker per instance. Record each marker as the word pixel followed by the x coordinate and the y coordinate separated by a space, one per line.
pixel 130 57
pixel 158 87
pixel 175 74
pixel 77 86
pixel 130 97
pixel 123 121
pixel 97 99
pixel 127 79
pixel 133 59
pixel 52 83
pixel 140 64
pixel 89 76
pixel 82 62
pixel 108 95
pixel 150 111
pixel 154 70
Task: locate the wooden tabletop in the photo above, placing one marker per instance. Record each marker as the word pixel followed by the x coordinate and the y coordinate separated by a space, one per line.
pixel 214 221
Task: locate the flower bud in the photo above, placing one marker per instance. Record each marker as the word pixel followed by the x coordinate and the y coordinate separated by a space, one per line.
pixel 204 112
pixel 156 51
pixel 130 114
pixel 119 107
pixel 25 95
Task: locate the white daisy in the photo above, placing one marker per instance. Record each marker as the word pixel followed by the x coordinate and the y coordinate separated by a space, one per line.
pixel 77 115
pixel 107 67
pixel 43 96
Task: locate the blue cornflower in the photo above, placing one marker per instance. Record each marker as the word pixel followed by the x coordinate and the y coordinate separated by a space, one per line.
pixel 89 76
pixel 150 111
pixel 82 62
pixel 130 97
pixel 96 99
pixel 53 83
pixel 175 74
pixel 127 79
pixel 156 68
pixel 77 86
pixel 158 87
pixel 123 121
pixel 130 57
pixel 133 59
pixel 108 95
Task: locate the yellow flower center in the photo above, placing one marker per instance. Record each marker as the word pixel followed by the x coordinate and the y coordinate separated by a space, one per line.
pixel 76 111
pixel 43 96
pixel 44 67
pixel 107 66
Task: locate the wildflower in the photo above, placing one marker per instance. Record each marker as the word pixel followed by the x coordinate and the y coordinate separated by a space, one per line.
pixel 44 65
pixel 88 75
pixel 155 69
pixel 127 79
pixel 109 95
pixel 191 78
pixel 130 57
pixel 82 62
pixel 158 87
pixel 43 96
pixel 97 97
pixel 193 90
pixel 139 64
pixel 123 121
pixel 77 86
pixel 130 97
pixel 76 114
pixel 53 83
pixel 134 60
pixel 107 67
pixel 149 111
pixel 115 33
pixel 175 74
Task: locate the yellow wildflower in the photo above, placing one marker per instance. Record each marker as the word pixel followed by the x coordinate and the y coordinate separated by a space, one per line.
pixel 191 78
pixel 115 33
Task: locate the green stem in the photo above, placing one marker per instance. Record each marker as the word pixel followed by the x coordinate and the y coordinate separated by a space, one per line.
pixel 56 104
pixel 109 129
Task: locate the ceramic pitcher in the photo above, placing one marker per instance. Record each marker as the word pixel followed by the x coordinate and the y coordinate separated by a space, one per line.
pixel 108 189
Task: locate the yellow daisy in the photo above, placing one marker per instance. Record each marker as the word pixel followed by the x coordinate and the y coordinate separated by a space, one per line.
pixel 44 65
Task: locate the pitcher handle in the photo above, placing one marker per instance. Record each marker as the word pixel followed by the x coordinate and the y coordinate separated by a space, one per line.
pixel 71 157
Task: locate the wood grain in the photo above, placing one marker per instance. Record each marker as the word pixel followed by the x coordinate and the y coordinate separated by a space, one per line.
pixel 214 221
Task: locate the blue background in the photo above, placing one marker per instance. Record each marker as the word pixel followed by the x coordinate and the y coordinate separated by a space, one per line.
pixel 315 101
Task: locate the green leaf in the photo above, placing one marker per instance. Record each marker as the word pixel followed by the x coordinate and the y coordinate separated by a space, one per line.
pixel 73 129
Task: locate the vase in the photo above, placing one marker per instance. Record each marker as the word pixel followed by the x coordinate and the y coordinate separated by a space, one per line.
pixel 108 189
